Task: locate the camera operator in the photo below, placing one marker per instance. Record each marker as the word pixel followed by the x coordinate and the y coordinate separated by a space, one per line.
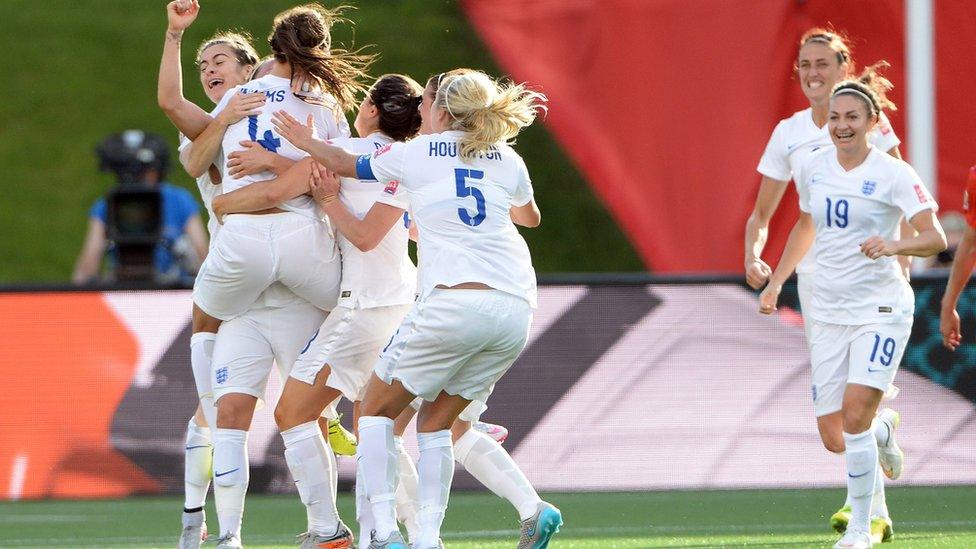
pixel 141 211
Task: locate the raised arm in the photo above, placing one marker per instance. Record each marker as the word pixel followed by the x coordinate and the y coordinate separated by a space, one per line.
pixel 757 230
pixel 365 233
pixel 185 115
pixel 207 145
pixel 262 195
pixel 303 137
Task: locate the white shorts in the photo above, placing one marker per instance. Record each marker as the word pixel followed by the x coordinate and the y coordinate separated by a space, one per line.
pixel 865 355
pixel 457 341
pixel 349 341
pixel 247 346
pixel 253 251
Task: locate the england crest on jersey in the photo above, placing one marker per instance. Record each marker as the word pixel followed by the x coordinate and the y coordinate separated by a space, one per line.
pixel 868 187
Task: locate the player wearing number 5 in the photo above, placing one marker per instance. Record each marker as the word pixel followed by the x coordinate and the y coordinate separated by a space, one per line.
pixel 465 187
pixel 861 307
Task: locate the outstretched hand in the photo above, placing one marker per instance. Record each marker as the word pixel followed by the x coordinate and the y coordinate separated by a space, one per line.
pixel 300 135
pixel 241 105
pixel 180 14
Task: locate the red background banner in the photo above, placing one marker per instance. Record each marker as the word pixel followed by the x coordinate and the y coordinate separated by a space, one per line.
pixel 666 105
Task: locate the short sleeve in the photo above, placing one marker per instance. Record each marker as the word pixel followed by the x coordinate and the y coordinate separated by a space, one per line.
pixel 802 187
pixel 883 135
pixel 775 164
pixel 909 193
pixel 968 208
pixel 99 210
pixel 523 189
pixel 386 166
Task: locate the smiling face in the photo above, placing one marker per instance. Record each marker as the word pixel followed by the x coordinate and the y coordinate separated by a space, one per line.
pixel 818 69
pixel 220 71
pixel 849 122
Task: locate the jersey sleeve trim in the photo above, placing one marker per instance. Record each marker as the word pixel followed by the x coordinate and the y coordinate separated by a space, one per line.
pixel 364 171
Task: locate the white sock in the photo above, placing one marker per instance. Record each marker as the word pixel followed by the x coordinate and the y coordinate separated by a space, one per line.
pixel 307 456
pixel 201 357
pixel 364 513
pixel 198 458
pixel 436 470
pixel 488 462
pixel 231 475
pixel 879 505
pixel 377 458
pixel 862 465
pixel 406 492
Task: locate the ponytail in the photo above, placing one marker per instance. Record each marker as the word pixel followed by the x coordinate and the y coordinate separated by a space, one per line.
pixel 486 111
pixel 301 37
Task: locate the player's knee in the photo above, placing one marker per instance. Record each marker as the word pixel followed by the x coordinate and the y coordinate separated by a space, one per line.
pixel 232 414
pixel 834 444
pixel 857 419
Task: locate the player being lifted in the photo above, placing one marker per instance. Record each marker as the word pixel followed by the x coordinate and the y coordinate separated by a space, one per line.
pixel 861 307
pixel 824 59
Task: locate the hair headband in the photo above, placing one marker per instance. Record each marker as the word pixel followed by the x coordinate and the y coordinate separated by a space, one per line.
pixel 856 91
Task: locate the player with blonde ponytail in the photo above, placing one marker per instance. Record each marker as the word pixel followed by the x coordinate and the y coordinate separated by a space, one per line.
pixel 487 113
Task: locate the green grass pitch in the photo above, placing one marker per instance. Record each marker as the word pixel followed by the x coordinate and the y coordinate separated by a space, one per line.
pixel 924 517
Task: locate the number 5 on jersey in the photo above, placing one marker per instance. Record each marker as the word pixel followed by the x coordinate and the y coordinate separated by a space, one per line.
pixel 461 176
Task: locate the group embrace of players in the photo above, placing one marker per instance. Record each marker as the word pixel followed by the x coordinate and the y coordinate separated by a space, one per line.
pixel 308 268
pixel 863 212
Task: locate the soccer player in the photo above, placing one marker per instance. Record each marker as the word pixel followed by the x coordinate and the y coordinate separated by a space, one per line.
pixel 861 307
pixel 378 287
pixel 466 188
pixel 225 60
pixel 962 269
pixel 824 59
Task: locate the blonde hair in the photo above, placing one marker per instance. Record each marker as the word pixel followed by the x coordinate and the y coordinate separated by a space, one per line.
pixel 487 111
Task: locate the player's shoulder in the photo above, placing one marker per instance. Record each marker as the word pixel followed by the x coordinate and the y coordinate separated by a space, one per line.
pixel 796 122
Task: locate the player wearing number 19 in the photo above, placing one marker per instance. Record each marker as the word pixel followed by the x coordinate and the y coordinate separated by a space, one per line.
pixel 466 189
pixel 861 307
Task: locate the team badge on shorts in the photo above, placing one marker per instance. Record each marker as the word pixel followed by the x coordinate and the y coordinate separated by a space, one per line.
pixel 868 187
pixel 221 375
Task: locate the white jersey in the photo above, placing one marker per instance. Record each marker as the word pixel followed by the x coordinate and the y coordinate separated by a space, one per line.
pixel 795 139
pixel 461 208
pixel 848 207
pixel 208 190
pixel 329 123
pixel 385 275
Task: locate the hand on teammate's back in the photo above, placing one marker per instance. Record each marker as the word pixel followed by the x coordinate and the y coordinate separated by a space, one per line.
pixel 240 106
pixel 298 134
pixel 252 160
pixel 323 183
